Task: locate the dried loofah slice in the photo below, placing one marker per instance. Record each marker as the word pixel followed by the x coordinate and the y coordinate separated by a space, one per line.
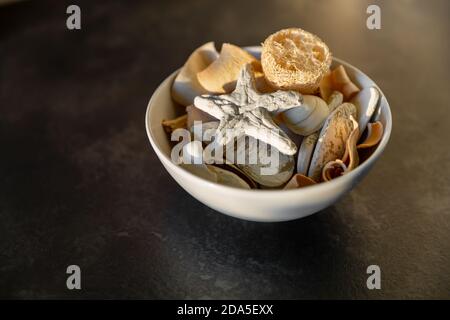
pixel 295 59
pixel 186 87
pixel 221 75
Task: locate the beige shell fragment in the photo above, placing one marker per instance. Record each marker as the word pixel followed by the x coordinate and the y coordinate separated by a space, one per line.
pixel 351 154
pixel 186 86
pixel 350 160
pixel 221 75
pixel 335 100
pixel 173 124
pixel 333 169
pixel 337 80
pixel 299 181
pixel 374 135
pixel 332 139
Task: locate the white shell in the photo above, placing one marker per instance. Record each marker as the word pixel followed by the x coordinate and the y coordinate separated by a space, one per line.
pixel 215 174
pixel 186 86
pixel 308 117
pixel 305 152
pixel 332 139
pixel 366 102
pixel 263 172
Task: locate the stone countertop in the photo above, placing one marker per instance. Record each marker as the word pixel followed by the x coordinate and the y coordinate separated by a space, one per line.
pixel 81 185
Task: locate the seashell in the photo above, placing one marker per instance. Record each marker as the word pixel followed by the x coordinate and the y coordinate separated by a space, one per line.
pixel 186 86
pixel 305 152
pixel 228 178
pixel 195 114
pixel 366 102
pixel 217 175
pixel 173 124
pixel 261 170
pixel 337 80
pixel 299 181
pixel 350 160
pixel 308 117
pixel 374 134
pixel 236 170
pixel 333 169
pixel 332 139
pixel 351 154
pixel 335 100
pixel 221 75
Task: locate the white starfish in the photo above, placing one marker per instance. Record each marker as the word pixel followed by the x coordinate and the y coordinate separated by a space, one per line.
pixel 246 111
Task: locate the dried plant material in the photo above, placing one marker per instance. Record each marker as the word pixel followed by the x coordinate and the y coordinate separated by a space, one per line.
pixel 195 114
pixel 299 181
pixel 307 118
pixel 335 100
pixel 349 161
pixel 374 135
pixel 305 153
pixel 186 86
pixel 366 102
pixel 351 154
pixel 294 59
pixel 173 124
pixel 332 139
pixel 333 169
pixel 246 112
pixel 221 75
pixel 337 80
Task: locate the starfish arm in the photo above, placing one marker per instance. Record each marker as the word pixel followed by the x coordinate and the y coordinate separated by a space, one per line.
pixel 275 138
pixel 279 101
pixel 211 105
pixel 245 93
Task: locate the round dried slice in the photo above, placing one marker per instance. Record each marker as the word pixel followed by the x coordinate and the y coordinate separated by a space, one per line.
pixel 295 59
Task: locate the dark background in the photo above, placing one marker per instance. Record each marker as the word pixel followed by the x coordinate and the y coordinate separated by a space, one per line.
pixel 80 184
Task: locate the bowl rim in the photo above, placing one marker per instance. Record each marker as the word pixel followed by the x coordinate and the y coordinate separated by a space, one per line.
pixel 329 185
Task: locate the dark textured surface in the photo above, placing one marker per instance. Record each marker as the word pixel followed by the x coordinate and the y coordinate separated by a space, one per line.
pixel 79 183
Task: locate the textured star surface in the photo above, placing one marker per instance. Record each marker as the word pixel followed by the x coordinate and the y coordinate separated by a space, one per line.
pixel 245 111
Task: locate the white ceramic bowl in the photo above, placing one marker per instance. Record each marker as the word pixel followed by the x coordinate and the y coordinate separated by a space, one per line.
pixel 258 205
